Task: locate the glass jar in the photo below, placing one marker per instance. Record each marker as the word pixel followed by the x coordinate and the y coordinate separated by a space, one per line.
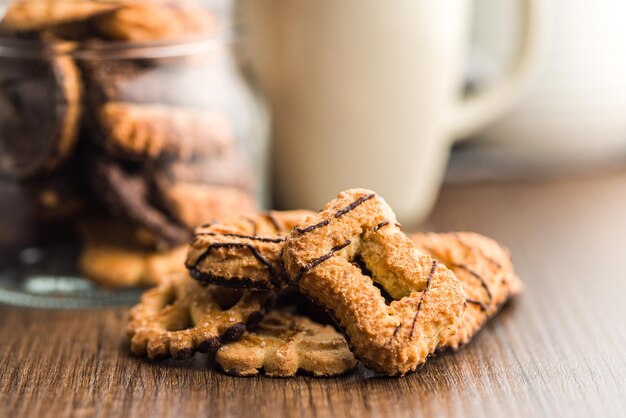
pixel 123 125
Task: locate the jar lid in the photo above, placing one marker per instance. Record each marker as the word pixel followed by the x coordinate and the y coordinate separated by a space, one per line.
pixel 149 28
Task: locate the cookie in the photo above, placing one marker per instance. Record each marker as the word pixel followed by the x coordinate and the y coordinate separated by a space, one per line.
pixel 143 131
pixel 36 15
pixel 193 204
pixel 336 257
pixel 180 317
pixel 243 252
pixel 284 344
pixel 16 217
pixel 485 270
pixel 54 198
pixel 142 22
pixel 112 256
pixel 126 194
pixel 232 168
pixel 39 114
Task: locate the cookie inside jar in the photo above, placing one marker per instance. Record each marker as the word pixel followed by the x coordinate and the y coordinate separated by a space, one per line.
pixel 131 114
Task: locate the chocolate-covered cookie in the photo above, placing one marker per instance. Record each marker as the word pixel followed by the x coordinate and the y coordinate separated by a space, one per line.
pixel 57 197
pixel 38 210
pixel 231 168
pixel 204 190
pixel 125 193
pixel 16 224
pixel 39 114
pixel 143 109
pixel 141 131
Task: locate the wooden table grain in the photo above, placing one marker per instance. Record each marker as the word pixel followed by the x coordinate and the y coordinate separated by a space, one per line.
pixel 559 350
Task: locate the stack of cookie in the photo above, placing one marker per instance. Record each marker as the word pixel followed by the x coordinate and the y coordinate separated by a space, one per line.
pixel 395 299
pixel 97 129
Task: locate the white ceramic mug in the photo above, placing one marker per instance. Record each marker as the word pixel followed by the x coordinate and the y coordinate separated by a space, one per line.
pixel 572 118
pixel 367 93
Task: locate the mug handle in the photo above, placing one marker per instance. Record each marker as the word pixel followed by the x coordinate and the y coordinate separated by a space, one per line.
pixel 477 110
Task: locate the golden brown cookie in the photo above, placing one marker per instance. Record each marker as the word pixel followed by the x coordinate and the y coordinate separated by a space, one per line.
pixel 180 317
pixel 58 197
pixel 284 344
pixel 113 256
pixel 192 203
pixel 39 114
pixel 145 131
pixel 35 15
pixel 243 252
pixel 336 258
pixel 485 270
pixel 113 266
pixel 233 169
pixel 149 21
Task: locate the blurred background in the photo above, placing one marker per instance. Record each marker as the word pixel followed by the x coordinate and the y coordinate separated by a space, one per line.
pixel 570 120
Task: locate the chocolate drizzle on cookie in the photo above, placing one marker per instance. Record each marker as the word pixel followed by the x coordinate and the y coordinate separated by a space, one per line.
pixel 273 221
pixel 338 214
pixel 482 253
pixel 253 224
pixel 312 227
pixel 481 305
pixel 354 205
pixel 426 289
pixel 395 332
pixel 320 260
pixel 483 283
pixel 385 223
pixel 380 225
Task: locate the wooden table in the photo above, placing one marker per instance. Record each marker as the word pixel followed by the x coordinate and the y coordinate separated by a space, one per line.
pixel 560 350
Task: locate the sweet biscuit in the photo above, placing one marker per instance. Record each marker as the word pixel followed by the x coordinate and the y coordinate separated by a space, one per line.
pixel 35 15
pixel 485 270
pixel 126 194
pixel 39 114
pixel 284 344
pixel 180 317
pixel 149 131
pixel 336 257
pixel 112 256
pixel 243 252
pixel 232 168
pixel 152 21
pixel 193 203
pixel 55 198
pixel 112 266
